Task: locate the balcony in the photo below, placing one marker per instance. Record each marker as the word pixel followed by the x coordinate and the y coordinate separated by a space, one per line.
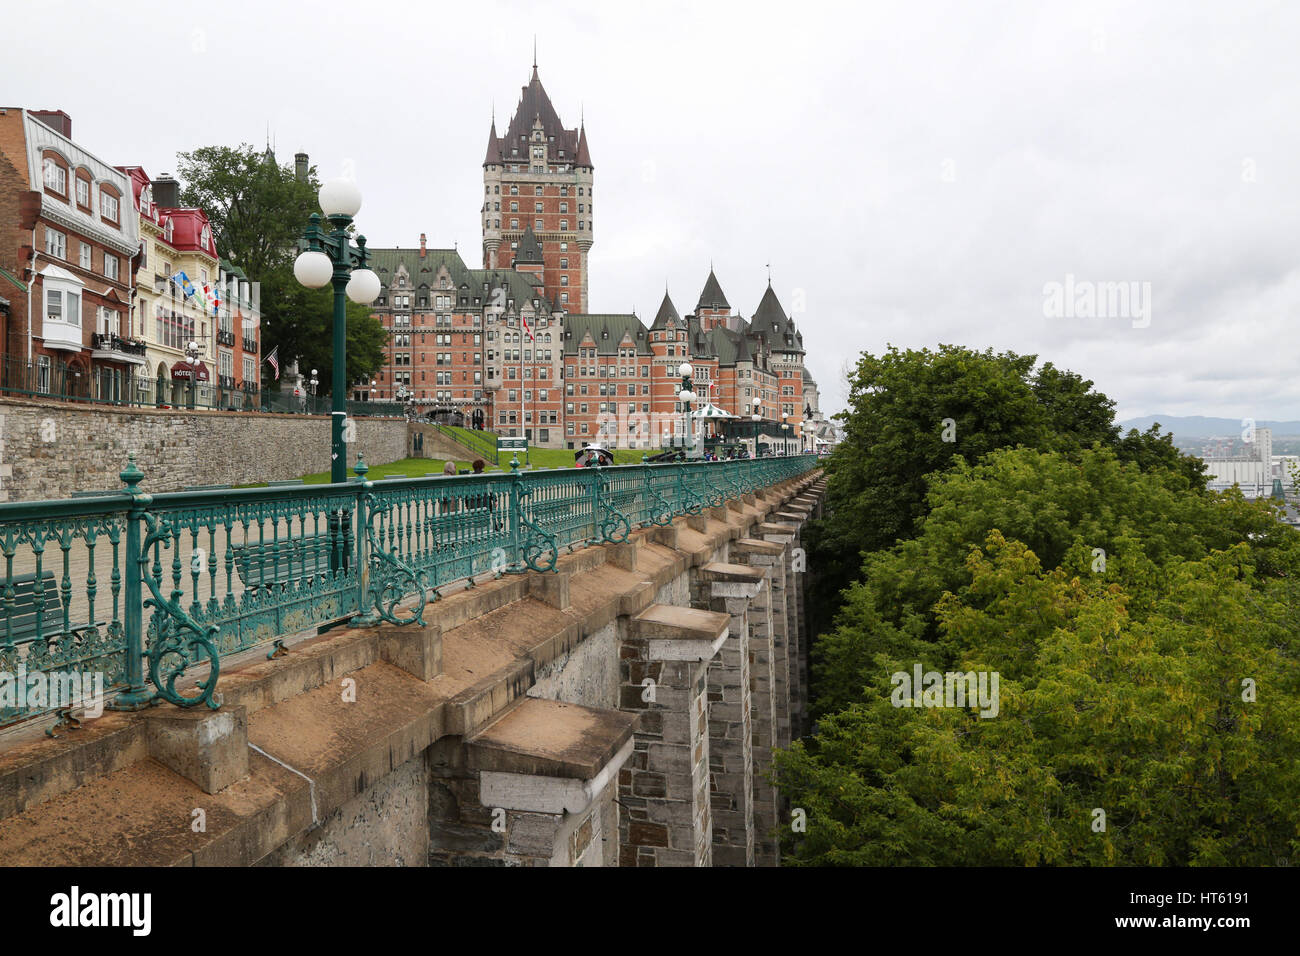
pixel 109 346
pixel 226 381
pixel 225 337
pixel 250 345
pixel 250 387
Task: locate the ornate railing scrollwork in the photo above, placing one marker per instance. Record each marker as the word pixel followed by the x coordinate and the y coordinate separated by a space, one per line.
pixel 391 578
pixel 178 641
pixel 658 508
pixel 692 503
pixel 614 526
pixel 536 542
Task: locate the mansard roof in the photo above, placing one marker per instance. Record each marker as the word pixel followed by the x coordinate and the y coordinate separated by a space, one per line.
pixel 607 330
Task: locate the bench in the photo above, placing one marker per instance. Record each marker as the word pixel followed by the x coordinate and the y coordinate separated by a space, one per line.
pixel 20 621
pixel 266 564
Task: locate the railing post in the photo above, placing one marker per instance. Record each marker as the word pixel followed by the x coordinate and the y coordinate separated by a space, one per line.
pixel 516 514
pixel 136 696
pixel 367 615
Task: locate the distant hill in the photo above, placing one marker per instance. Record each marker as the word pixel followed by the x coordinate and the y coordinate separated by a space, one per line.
pixel 1201 426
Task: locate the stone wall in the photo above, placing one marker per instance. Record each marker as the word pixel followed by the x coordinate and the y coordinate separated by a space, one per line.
pixel 50 449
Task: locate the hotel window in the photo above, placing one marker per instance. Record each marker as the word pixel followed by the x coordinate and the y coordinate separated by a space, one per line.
pixel 564 263
pixel 106 321
pixel 514 190
pixel 564 225
pixel 83 193
pixel 537 207
pixel 56 243
pixel 110 266
pixel 250 369
pixel 225 364
pixel 56 177
pixel 108 206
pixel 564 298
pixel 63 306
pixel 538 226
pixel 537 190
pixel 514 207
pixel 581 225
pixel 564 280
pixel 514 224
pixel 84 261
pixel 43 374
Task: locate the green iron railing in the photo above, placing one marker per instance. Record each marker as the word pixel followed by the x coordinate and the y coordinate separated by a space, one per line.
pixel 150 593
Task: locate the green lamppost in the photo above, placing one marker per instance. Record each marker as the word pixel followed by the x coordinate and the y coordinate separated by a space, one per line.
pixel 329 257
pixel 686 396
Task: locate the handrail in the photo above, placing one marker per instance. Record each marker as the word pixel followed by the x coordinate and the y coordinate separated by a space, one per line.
pixel 182 580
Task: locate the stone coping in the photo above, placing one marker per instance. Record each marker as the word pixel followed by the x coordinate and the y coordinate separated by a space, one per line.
pixel 551 738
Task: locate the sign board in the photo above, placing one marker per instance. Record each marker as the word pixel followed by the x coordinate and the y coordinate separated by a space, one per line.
pixel 512 444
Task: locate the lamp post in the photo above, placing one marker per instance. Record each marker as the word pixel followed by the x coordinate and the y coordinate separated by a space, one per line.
pixel 686 395
pixel 785 436
pixel 313 382
pixel 757 417
pixel 192 357
pixel 329 257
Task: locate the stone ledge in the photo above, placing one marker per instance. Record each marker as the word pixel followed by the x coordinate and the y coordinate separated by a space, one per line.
pixel 551 739
pixel 669 622
pixel 545 794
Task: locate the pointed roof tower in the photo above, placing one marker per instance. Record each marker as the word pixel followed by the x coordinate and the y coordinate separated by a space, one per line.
pixel 769 317
pixel 493 156
pixel 712 297
pixel 584 154
pixel 529 252
pixel 667 311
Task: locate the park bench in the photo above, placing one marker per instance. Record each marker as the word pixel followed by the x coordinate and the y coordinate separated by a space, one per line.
pixel 19 620
pixel 266 564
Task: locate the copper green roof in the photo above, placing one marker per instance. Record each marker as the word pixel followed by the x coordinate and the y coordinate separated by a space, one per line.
pixel 607 331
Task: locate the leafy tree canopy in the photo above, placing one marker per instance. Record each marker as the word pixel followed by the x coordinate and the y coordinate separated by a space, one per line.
pixel 914 413
pixel 258 209
pixel 1129 619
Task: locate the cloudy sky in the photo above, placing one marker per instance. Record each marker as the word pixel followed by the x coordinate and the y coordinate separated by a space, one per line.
pixel 914 173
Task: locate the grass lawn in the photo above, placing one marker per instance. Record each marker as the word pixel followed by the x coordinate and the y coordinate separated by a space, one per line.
pixel 419 467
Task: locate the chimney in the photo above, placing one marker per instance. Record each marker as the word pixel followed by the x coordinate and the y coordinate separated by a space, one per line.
pixel 300 167
pixel 422 250
pixel 166 192
pixel 56 120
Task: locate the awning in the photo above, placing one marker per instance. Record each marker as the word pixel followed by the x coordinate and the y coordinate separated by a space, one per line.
pixel 183 372
pixel 711 411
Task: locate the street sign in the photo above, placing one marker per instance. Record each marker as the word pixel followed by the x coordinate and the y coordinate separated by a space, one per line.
pixel 512 444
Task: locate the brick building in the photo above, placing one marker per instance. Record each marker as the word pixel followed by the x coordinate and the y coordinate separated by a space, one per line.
pixel 511 348
pixel 176 239
pixel 68 238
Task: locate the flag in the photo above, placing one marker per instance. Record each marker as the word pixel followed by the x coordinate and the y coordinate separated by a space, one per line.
pixel 274 359
pixel 182 280
pixel 527 328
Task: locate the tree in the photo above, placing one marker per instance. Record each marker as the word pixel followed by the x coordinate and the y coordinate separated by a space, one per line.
pixel 258 209
pixel 1134 623
pixel 914 413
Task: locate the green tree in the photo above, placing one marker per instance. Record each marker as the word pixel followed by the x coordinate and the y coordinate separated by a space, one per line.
pixel 258 209
pixel 913 413
pixel 1125 614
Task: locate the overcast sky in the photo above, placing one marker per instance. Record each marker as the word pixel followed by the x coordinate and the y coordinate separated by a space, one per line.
pixel 914 173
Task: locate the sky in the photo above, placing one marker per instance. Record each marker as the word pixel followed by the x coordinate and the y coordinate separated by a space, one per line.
pixel 911 173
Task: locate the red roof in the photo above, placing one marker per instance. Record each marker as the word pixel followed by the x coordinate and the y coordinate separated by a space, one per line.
pixel 188 227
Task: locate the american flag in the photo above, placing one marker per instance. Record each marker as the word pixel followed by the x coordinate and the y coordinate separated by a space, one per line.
pixel 274 359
